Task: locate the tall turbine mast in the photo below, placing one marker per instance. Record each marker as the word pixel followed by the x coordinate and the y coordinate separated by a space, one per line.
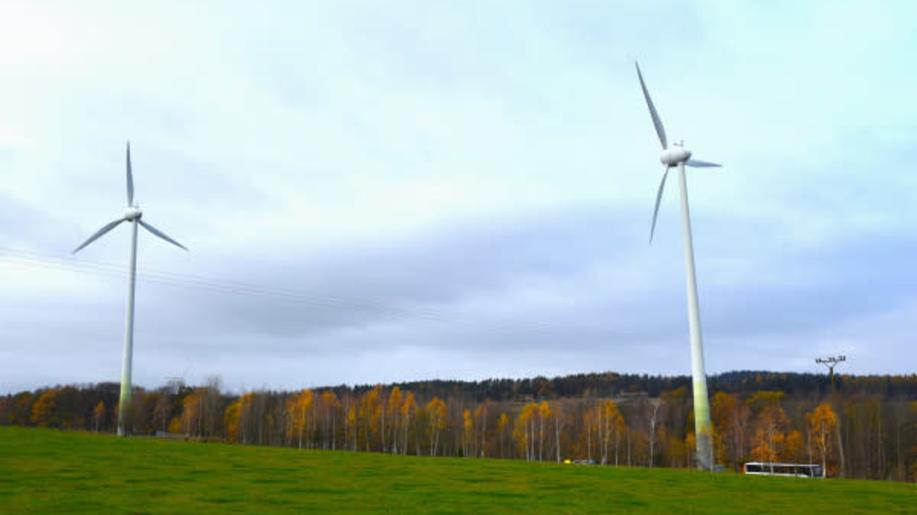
pixel 133 214
pixel 677 156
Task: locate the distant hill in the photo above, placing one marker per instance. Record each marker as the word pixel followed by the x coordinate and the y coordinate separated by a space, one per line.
pixel 611 384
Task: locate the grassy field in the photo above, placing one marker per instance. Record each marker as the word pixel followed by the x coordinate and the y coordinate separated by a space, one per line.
pixel 53 471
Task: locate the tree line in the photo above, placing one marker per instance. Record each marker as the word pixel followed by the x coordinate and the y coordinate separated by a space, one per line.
pixel 866 428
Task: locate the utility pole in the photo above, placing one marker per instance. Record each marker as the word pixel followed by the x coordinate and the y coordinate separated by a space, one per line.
pixel 831 362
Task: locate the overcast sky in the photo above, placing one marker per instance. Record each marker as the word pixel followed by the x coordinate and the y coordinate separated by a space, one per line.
pixel 388 191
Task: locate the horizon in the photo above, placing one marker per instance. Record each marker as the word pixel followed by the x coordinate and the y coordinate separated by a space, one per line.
pixel 357 386
pixel 374 194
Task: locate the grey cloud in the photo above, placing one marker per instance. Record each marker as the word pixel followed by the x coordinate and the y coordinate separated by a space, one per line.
pixel 421 292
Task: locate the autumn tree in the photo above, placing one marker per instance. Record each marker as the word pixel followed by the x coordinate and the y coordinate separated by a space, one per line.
pixel 393 408
pixel 770 425
pixel 192 413
pixel 730 420
pixel 544 413
pixel 350 426
pixel 502 426
pixel 609 426
pixel 175 425
pixel 480 415
pixel 248 420
pixel 231 421
pixel 98 415
pixel 162 412
pixel 558 427
pixel 793 447
pixel 299 410
pixel 43 411
pixel 370 415
pixel 822 423
pixel 408 409
pixel 436 409
pixel 689 446
pixel 330 405
pixel 468 436
pixel 524 430
pixel 211 408
pixel 654 419
pixel 520 434
pixel 589 429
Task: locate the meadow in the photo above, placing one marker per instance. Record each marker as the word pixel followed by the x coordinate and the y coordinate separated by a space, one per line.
pixel 44 470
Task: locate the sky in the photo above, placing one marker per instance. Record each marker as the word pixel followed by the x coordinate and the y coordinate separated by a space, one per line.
pixel 378 191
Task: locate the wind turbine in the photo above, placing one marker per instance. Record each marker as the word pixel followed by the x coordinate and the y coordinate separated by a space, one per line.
pixel 134 215
pixel 677 156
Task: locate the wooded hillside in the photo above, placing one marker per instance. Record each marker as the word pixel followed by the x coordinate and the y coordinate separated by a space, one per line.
pixel 867 429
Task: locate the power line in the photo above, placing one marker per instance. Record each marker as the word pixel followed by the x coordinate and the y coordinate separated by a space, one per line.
pixel 299 297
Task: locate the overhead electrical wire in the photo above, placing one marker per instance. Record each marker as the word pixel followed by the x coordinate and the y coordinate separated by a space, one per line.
pixel 313 299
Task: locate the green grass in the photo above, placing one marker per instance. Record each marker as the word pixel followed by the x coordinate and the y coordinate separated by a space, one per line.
pixel 55 471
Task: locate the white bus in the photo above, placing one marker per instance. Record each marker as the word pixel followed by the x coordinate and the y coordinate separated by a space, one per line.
pixel 760 468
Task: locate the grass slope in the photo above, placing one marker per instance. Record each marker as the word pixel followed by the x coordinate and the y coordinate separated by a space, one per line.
pixel 53 471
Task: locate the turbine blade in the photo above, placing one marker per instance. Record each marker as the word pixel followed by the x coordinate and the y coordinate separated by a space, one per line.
pixel 660 130
pixel 697 163
pixel 130 178
pixel 98 234
pixel 658 200
pixel 157 232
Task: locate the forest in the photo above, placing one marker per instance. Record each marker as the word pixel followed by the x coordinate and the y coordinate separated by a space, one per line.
pixel 860 427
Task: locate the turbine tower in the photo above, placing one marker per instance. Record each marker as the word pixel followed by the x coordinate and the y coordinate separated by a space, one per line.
pixel 677 156
pixel 134 215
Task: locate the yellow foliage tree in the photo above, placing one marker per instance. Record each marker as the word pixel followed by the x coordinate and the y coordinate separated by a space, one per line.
pixel 690 444
pixel 392 412
pixel 468 438
pixel 524 430
pixel 350 422
pixel 299 410
pixel 822 424
pixel 330 405
pixel 231 421
pixel 769 437
pixel 793 447
pixel 370 415
pixel 43 410
pixel 191 416
pixel 436 409
pixel 408 409
pixel 544 413
pixel 244 430
pixel 502 424
pixel 609 427
pixel 723 407
pixel 175 425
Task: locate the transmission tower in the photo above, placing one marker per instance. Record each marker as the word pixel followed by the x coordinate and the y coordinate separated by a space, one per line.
pixel 831 362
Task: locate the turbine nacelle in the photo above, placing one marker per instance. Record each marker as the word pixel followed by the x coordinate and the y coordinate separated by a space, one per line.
pixel 133 213
pixel 674 155
pixel 671 156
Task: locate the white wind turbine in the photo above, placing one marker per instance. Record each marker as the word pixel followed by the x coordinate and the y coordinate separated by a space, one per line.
pixel 133 214
pixel 677 156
